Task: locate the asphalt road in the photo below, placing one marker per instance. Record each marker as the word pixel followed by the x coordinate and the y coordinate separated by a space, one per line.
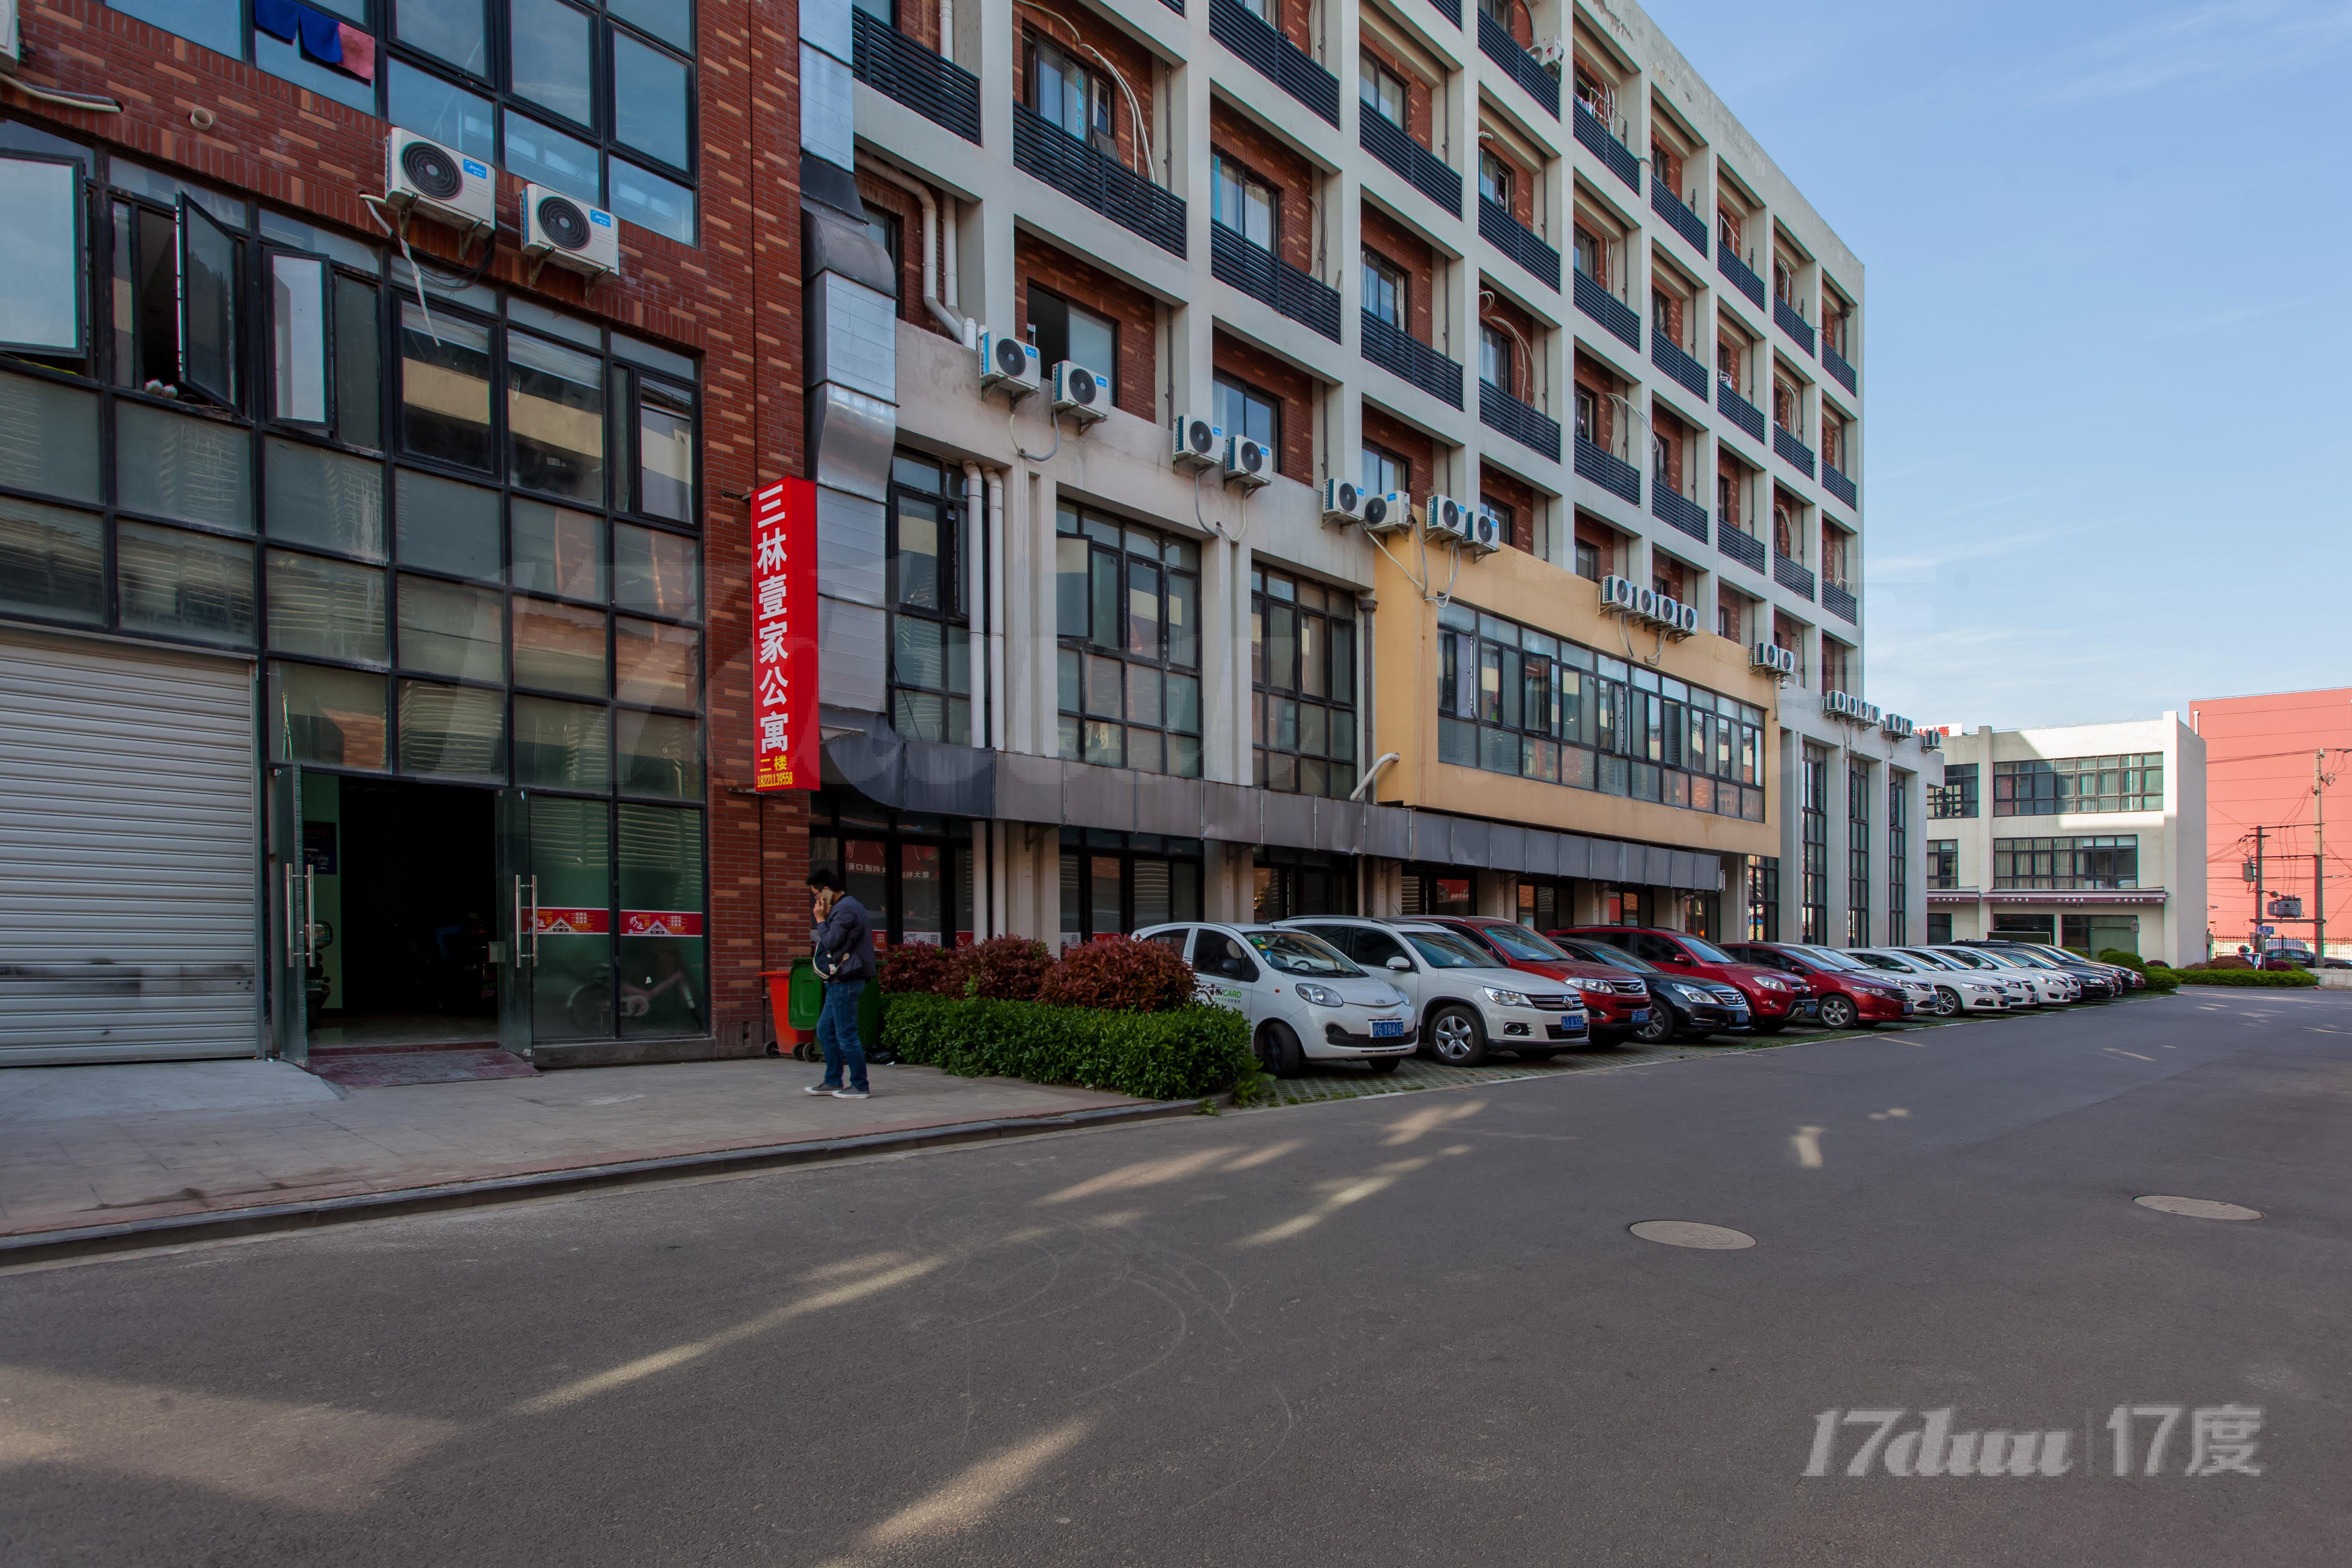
pixel 1406 1330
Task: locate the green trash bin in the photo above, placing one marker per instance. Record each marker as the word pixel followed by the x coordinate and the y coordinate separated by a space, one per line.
pixel 807 993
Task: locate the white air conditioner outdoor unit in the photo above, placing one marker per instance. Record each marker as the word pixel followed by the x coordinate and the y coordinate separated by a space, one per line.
pixel 1895 725
pixel 1195 443
pixel 1687 621
pixel 1549 53
pixel 1931 740
pixel 1772 656
pixel 1007 363
pixel 1866 712
pixel 1080 392
pixel 1248 462
pixel 1444 517
pixel 1486 535
pixel 1343 503
pixel 422 176
pixel 1387 513
pixel 570 232
pixel 1617 595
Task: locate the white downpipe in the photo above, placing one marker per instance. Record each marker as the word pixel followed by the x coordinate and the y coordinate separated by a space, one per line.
pixel 947 31
pixel 922 193
pixel 975 529
pixel 996 703
pixel 952 290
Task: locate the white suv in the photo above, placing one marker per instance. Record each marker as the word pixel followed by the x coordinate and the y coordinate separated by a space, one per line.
pixel 1467 1004
pixel 1949 992
pixel 1303 1000
pixel 2049 986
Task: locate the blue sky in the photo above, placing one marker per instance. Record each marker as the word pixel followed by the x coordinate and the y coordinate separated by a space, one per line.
pixel 2105 347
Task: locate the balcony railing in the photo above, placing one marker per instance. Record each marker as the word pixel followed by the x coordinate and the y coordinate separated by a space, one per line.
pixel 1449 9
pixel 1668 205
pixel 1746 281
pixel 891 63
pixel 1494 42
pixel 1679 510
pixel 1045 151
pixel 1612 473
pixel 1275 58
pixel 1838 484
pixel 1261 275
pixel 1515 239
pixel 1835 362
pixel 1528 426
pixel 1668 357
pixel 1422 169
pixel 1739 411
pixel 1598 140
pixel 1740 544
pixel 1793 575
pixel 1793 452
pixel 1784 315
pixel 1409 357
pixel 1839 601
pixel 1612 312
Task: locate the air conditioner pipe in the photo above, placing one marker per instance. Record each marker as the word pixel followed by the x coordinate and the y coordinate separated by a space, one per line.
pixel 1371 774
pixel 922 193
pixel 975 512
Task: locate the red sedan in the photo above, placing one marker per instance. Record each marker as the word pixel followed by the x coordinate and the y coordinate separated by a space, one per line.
pixel 1846 993
pixel 1773 999
pixel 1617 1003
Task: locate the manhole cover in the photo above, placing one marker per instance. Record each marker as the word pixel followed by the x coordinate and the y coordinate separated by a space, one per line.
pixel 2197 1208
pixel 1690 1233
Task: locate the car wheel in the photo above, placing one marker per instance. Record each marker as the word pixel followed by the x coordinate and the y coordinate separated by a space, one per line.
pixel 1839 1013
pixel 1279 1052
pixel 1948 1001
pixel 1770 1025
pixel 1457 1038
pixel 1659 1029
pixel 1383 1064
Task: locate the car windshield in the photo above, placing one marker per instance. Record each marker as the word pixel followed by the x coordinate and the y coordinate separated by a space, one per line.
pixel 1519 942
pixel 1928 960
pixel 1296 953
pixel 1830 958
pixel 2022 958
pixel 1443 950
pixel 1704 952
pixel 1615 957
pixel 1884 961
pixel 1961 958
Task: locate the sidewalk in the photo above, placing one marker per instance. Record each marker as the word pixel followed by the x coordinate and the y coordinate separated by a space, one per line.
pixel 90 1146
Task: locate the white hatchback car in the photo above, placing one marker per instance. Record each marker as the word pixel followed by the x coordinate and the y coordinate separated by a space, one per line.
pixel 2050 986
pixel 1947 993
pixel 1303 999
pixel 1467 1004
pixel 2019 990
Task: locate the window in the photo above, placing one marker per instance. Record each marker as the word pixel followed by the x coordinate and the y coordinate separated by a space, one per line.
pixel 1291 883
pixel 1495 180
pixel 1113 883
pixel 1060 331
pixel 1247 410
pixel 1387 297
pixel 1070 95
pixel 1589 258
pixel 1814 894
pixel 1783 281
pixel 2049 787
pixel 1588 413
pixel 1588 558
pixel 1939 930
pixel 1956 795
pixel 888 233
pixel 1730 615
pixel 1786 406
pixel 1512 699
pixel 911 871
pixel 1495 357
pixel 1382 89
pixel 615 79
pixel 1128 675
pixel 42 311
pixel 1943 863
pixel 1858 787
pixel 931 658
pixel 1505 519
pixel 2066 864
pixel 1385 472
pixel 1245 203
pixel 1303 686
pixel 1763 889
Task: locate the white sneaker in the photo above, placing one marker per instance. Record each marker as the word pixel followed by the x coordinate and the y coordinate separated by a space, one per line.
pixel 851 1094
pixel 815 1088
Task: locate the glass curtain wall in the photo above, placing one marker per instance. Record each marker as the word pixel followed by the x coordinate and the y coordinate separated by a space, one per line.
pixel 1303 675
pixel 1814 894
pixel 1128 608
pixel 1858 788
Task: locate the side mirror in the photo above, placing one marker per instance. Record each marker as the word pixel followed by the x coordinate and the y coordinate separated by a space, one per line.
pixel 1401 964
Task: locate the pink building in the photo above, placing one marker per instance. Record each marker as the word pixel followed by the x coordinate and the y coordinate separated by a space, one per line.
pixel 2259 753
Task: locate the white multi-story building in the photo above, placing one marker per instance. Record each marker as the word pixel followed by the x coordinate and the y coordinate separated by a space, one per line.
pixel 2092 835
pixel 1518 265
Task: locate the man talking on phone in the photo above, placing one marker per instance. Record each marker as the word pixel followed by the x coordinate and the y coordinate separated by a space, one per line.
pixel 845 959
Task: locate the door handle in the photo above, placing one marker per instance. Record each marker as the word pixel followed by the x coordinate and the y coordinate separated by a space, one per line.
pixel 534 917
pixel 293 951
pixel 309 915
pixel 519 930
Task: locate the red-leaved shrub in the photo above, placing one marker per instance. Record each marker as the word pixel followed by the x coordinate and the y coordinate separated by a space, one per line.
pixel 1120 973
pixel 1004 968
pixel 919 967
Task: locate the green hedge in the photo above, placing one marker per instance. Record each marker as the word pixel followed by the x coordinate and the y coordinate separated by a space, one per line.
pixel 1178 1055
pixel 2288 978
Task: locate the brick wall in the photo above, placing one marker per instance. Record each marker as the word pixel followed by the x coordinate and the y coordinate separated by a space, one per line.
pixel 1410 253
pixel 1523 179
pixel 1415 449
pixel 920 20
pixel 1602 537
pixel 1091 32
pixel 1590 375
pixel 1666 165
pixel 1730 500
pixel 1675 309
pixel 1294 387
pixel 1669 576
pixel 1674 438
pixel 1499 488
pixel 733 301
pixel 1787 524
pixel 1492 306
pixel 1131 308
pixel 1275 162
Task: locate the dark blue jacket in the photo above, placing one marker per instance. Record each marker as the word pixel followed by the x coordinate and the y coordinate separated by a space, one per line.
pixel 845 944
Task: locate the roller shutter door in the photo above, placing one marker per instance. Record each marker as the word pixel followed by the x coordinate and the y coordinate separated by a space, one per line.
pixel 128 863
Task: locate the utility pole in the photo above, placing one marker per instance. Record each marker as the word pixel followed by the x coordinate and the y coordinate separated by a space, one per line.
pixel 2254 937
pixel 2318 858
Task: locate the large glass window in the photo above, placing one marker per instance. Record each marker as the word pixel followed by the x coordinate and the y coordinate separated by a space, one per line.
pixel 1762 876
pixel 1243 203
pixel 931 660
pixel 2070 863
pixel 1388 295
pixel 1899 854
pixel 2051 787
pixel 1247 410
pixel 1943 863
pixel 1381 90
pixel 1060 331
pixel 1303 657
pixel 1858 787
pixel 1512 699
pixel 1814 894
pixel 1956 795
pixel 1128 606
pixel 1114 883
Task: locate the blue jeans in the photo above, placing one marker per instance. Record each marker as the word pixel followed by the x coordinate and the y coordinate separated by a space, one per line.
pixel 837 1031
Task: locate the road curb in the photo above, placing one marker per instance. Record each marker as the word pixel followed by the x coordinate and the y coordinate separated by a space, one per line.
pixel 51 1246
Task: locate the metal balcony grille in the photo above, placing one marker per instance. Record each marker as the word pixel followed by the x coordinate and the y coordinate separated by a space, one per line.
pixel 893 64
pixel 1739 411
pixel 1494 42
pixel 1687 222
pixel 1835 363
pixel 1609 310
pixel 1275 58
pixel 1793 452
pixel 1449 9
pixel 1746 281
pixel 1784 315
pixel 1422 169
pixel 1793 575
pixel 1597 140
pixel 1741 546
pixel 1668 357
pixel 1840 603
pixel 1045 151
pixel 1612 474
pixel 1529 426
pixel 1838 484
pixel 1678 510
pixel 1515 239
pixel 1410 358
pixel 1261 275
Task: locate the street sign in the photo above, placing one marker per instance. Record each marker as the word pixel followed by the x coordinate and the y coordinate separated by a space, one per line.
pixel 2266 931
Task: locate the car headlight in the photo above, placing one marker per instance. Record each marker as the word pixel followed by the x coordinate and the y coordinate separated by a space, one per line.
pixel 1592 987
pixel 1502 998
pixel 1768 983
pixel 1692 994
pixel 1319 996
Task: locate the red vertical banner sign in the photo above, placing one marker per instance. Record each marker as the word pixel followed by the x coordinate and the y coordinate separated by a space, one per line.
pixel 783 636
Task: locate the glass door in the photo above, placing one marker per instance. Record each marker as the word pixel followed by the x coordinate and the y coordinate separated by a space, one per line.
pixel 516 952
pixel 293 935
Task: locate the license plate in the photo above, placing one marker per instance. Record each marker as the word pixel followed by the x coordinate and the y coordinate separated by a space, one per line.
pixel 1806 1009
pixel 1573 1022
pixel 1906 1009
pixel 1388 1028
pixel 1640 1015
